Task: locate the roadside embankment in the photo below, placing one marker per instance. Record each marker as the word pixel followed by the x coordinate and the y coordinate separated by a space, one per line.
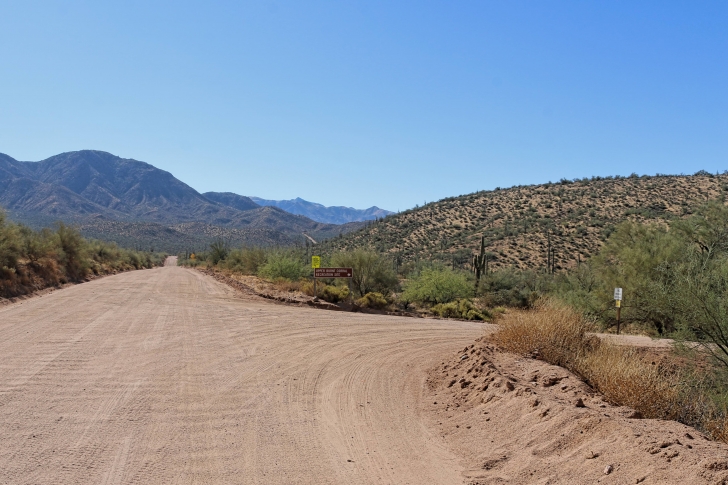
pixel 520 420
pixel 255 286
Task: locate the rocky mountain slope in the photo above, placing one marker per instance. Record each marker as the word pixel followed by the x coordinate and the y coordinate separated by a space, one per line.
pixel 576 216
pixel 239 202
pixel 99 191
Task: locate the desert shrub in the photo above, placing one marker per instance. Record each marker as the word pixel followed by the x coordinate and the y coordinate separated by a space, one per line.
pixel 307 287
pixel 372 300
pixel 72 252
pixel 195 260
pixel 462 308
pixel 334 294
pixel 281 264
pixel 513 288
pixel 557 334
pixel 37 245
pixel 283 284
pixel 219 250
pixel 373 272
pixel 245 260
pixel 10 244
pixel 437 285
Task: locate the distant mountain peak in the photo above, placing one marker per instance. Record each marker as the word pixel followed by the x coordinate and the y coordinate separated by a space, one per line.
pixel 322 213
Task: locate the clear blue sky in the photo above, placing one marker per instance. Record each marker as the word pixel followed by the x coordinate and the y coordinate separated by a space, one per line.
pixel 369 103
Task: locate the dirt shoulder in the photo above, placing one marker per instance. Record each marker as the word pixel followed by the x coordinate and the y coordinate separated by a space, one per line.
pixel 522 421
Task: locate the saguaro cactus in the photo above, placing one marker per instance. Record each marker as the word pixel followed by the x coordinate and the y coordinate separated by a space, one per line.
pixel 480 263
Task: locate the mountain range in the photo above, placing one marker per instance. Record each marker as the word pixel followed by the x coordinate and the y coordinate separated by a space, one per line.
pixel 318 212
pixel 134 203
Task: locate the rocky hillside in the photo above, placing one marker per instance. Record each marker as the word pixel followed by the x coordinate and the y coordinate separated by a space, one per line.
pixel 518 222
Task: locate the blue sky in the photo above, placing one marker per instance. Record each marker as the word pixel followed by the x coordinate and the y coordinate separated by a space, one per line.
pixel 369 103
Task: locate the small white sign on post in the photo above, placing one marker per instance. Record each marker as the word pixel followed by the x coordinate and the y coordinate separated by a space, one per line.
pixel 618 294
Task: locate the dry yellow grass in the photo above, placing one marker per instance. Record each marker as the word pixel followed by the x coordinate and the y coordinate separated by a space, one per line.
pixel 625 376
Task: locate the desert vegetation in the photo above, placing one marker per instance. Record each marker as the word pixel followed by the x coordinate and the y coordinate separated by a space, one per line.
pixel 31 260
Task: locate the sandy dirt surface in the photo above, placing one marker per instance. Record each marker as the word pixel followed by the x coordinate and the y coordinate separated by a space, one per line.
pixel 517 420
pixel 167 376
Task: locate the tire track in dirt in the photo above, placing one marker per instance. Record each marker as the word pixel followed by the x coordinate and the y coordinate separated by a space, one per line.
pixel 167 376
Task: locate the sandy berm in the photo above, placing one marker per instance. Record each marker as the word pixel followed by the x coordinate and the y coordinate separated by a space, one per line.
pixel 167 376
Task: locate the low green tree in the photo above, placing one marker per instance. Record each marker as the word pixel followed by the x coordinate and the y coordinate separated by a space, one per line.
pixel 245 260
pixel 372 272
pixel 72 252
pixel 281 264
pixel 437 285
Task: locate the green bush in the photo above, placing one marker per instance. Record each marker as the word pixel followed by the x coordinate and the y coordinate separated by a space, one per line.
pixel 10 248
pixel 462 308
pixel 372 300
pixel 72 252
pixel 512 288
pixel 438 285
pixel 245 260
pixel 281 264
pixel 334 294
pixel 372 271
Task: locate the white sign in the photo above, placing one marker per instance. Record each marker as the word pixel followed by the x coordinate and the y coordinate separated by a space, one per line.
pixel 618 294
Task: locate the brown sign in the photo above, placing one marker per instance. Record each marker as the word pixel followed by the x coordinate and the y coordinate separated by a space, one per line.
pixel 333 273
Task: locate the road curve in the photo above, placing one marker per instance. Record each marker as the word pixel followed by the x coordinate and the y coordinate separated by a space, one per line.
pixel 166 376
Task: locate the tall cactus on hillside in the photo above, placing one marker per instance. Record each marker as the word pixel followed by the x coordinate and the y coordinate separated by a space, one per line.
pixel 480 264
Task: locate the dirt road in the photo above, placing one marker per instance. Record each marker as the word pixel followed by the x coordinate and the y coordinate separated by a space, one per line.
pixel 167 376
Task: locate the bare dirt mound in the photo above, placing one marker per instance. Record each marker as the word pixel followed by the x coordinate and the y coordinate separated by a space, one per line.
pixel 522 421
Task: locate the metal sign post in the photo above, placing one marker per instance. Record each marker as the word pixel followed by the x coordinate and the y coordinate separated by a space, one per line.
pixel 315 264
pixel 618 304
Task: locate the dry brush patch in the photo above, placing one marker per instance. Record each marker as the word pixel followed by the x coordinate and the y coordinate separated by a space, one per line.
pixel 661 388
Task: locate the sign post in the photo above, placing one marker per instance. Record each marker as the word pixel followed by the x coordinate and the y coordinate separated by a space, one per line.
pixel 332 273
pixel 618 303
pixel 315 264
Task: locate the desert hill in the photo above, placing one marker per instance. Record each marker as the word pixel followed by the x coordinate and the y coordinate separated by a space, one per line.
pixel 139 205
pixel 517 222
